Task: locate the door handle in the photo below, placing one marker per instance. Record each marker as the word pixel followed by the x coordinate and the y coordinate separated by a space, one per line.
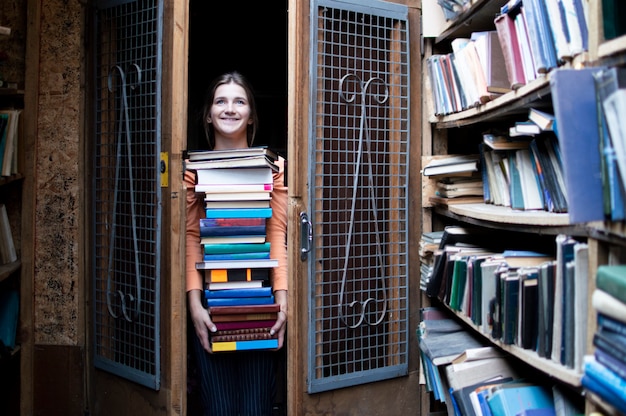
pixel 306 236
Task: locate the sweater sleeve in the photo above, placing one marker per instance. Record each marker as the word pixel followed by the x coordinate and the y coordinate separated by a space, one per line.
pixel 193 253
pixel 277 229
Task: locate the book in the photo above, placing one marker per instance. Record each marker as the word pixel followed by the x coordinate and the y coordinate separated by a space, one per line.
pixel 230 188
pixel 245 284
pixel 558 27
pixel 236 256
pixel 256 334
pixel 233 239
pixel 9 313
pixel 612 343
pixel 234 230
pixel 471 372
pixel 230 176
pixel 235 325
pixel 239 301
pixel 564 254
pixel 540 35
pixel 532 194
pixel 576 114
pixel 8 253
pixel 612 383
pixel 599 387
pixel 262 344
pixel 524 128
pixel 236 264
pixel 604 303
pixel 612 325
pixel 612 279
pixel 505 27
pixel 611 362
pixel 236 248
pixel 241 162
pixel 244 309
pixel 528 319
pixel 236 274
pixel 480 353
pixel 195 155
pixel 242 203
pixel 239 213
pixel 545 298
pixel 435 199
pixel 580 304
pixel 543 119
pixel 608 81
pixel 492 61
pixel 238 293
pixel 501 141
pixel 8 146
pixel 238 196
pixel 451 164
pixel 511 401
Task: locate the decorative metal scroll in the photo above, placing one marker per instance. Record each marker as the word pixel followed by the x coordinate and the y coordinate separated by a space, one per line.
pixel 362 90
pixel 128 302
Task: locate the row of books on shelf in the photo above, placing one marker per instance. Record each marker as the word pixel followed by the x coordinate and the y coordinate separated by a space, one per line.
pixel 605 371
pixel 533 300
pixel 236 185
pixel 9 137
pixel 530 38
pixel 470 377
pixel 572 159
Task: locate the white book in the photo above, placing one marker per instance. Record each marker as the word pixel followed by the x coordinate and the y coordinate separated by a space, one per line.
pixel 223 176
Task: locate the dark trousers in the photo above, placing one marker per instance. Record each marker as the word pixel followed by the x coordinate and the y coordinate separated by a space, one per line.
pixel 235 383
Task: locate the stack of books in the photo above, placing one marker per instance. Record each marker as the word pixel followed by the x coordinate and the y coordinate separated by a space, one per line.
pixel 605 371
pixel 237 187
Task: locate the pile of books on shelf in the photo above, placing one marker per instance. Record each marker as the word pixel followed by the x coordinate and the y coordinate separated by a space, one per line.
pixel 530 299
pixel 237 187
pixel 9 135
pixel 472 378
pixel 453 179
pixel 605 371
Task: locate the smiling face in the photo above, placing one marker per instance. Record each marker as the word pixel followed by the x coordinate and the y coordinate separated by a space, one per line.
pixel 230 116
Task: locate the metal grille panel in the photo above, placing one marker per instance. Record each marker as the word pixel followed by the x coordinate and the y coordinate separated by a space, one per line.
pixel 126 190
pixel 358 193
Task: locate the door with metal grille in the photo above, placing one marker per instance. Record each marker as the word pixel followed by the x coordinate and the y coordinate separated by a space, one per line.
pixel 126 191
pixel 358 179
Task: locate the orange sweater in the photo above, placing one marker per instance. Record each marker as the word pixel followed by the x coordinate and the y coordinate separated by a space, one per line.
pixel 276 231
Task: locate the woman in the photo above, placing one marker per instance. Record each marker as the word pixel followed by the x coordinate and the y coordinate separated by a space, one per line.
pixel 238 383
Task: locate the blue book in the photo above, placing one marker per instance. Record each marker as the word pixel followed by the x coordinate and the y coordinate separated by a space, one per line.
pixel 512 400
pixel 611 362
pixel 236 256
pixel 209 231
pixel 611 324
pixel 575 111
pixel 236 248
pixel 265 300
pixel 9 312
pixel 605 383
pixel 239 293
pixel 239 213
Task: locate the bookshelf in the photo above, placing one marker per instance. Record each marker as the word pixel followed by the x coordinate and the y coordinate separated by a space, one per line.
pixel 448 133
pixel 11 189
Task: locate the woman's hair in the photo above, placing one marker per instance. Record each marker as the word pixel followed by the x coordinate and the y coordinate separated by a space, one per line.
pixel 227 78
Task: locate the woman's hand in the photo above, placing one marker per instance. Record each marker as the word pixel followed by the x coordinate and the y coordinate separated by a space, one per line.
pixel 201 319
pixel 280 296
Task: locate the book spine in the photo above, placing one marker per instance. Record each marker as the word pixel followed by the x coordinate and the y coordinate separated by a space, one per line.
pixel 242 337
pixel 262 344
pixel 237 275
pixel 232 230
pixel 212 302
pixel 239 293
pixel 236 248
pixel 228 310
pixel 239 317
pixel 239 213
pixel 234 325
pixel 236 256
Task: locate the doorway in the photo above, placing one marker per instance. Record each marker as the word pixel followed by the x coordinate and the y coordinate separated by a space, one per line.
pixel 249 37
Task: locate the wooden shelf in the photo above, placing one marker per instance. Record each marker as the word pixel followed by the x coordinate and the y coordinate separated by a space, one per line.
pixel 478 17
pixel 552 369
pixel 612 47
pixel 535 93
pixel 7 270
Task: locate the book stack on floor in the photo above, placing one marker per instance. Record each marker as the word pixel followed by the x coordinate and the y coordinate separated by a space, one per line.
pixel 605 371
pixel 237 187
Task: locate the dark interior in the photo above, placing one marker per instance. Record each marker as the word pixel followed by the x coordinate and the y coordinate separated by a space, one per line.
pixel 249 37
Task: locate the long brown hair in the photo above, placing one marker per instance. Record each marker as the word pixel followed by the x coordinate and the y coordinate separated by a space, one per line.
pixel 227 78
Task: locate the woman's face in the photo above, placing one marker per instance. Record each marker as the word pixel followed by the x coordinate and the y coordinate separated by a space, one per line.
pixel 230 112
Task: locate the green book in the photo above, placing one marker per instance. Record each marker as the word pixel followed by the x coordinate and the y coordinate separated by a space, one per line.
pixel 236 248
pixel 612 280
pixel 459 277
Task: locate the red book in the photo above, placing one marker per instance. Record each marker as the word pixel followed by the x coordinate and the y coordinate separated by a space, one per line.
pixel 244 309
pixel 505 26
pixel 237 325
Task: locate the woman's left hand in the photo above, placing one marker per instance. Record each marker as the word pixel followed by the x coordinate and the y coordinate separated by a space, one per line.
pixel 280 296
